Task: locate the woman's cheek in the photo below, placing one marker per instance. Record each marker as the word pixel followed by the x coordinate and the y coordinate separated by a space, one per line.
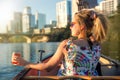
pixel 74 34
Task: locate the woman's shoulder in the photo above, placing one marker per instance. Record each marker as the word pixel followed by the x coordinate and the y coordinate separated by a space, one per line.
pixel 64 42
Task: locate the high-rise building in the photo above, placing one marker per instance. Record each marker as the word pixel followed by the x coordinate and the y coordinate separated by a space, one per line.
pixel 92 3
pixel 15 25
pixel 118 1
pixel 11 27
pixel 108 7
pixel 28 20
pixel 18 22
pixel 53 23
pixel 32 21
pixel 40 20
pixel 77 5
pixel 63 13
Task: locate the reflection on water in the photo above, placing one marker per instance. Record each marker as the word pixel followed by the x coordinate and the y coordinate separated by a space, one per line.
pixel 30 53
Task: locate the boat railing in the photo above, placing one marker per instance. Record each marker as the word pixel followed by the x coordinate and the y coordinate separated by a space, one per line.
pixel 21 74
pixel 76 77
pixel 113 61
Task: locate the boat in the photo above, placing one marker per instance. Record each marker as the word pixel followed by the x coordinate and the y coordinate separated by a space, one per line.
pixel 109 69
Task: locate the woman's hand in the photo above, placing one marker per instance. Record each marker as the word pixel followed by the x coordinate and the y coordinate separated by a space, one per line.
pixel 19 61
pixel 64 46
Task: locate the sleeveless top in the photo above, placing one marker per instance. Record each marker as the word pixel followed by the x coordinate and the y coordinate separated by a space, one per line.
pixel 80 60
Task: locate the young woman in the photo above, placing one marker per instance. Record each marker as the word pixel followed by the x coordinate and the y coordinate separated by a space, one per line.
pixel 76 55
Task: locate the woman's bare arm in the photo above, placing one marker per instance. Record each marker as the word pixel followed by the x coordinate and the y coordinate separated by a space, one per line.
pixel 56 58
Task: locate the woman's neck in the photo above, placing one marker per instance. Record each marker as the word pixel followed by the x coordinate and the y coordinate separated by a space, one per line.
pixel 81 36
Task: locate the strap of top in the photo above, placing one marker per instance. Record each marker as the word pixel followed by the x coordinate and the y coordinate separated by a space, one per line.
pixel 68 44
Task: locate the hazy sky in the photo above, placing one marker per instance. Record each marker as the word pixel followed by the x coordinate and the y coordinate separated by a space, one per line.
pixel 7 7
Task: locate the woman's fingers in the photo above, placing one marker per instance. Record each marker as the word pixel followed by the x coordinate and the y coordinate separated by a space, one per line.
pixel 18 60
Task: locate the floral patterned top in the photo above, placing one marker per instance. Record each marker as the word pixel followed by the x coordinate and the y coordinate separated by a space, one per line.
pixel 80 60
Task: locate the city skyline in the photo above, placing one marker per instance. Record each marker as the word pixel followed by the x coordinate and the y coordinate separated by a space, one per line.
pixel 8 7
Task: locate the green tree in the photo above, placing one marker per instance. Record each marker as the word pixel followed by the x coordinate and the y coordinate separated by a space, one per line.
pixel 16 39
pixel 58 35
pixel 67 32
pixel 113 36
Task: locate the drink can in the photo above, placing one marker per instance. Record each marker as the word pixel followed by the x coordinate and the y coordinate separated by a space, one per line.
pixel 15 55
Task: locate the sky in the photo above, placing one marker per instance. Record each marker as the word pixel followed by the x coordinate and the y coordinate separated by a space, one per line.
pixel 7 7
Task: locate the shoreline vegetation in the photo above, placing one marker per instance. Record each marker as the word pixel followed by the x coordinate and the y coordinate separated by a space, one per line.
pixel 56 35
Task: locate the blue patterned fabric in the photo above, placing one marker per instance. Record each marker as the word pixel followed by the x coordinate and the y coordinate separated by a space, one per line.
pixel 80 60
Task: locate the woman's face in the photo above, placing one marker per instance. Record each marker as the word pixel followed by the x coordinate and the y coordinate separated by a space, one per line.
pixel 75 28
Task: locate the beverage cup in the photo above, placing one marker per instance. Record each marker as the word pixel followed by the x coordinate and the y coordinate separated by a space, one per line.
pixel 15 55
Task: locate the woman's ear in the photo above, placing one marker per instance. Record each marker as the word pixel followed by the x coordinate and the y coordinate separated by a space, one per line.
pixel 82 27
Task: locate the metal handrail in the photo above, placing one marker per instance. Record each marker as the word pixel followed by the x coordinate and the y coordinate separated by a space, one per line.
pixel 116 63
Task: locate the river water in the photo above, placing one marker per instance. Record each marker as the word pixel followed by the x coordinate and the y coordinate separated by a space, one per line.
pixel 30 53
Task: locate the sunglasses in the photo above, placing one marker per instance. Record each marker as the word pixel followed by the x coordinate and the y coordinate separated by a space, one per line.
pixel 72 24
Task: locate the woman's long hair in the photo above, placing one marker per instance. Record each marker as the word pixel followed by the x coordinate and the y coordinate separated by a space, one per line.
pixel 95 22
